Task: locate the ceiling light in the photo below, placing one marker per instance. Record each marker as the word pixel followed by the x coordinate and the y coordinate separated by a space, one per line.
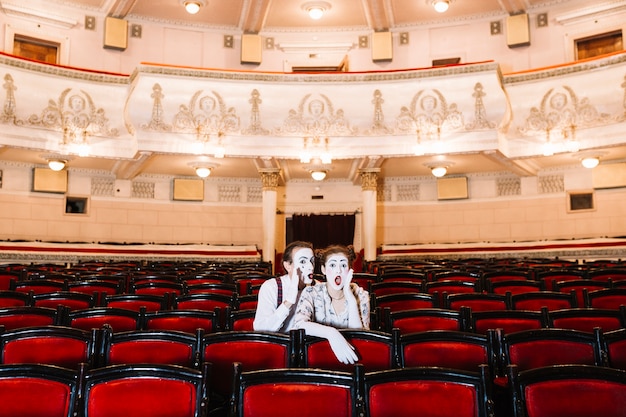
pixel 441 5
pixel 316 9
pixel 439 171
pixel 590 161
pixel 202 168
pixel 56 164
pixel 203 172
pixel 318 175
pixel 193 6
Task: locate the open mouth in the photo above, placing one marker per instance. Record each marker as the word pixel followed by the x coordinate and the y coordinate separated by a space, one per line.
pixel 338 280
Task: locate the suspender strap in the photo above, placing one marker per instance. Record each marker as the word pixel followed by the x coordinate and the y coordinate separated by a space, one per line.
pixel 280 292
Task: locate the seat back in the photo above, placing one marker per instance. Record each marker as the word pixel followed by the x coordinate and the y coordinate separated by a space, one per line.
pixel 118 319
pixel 183 320
pixel 508 320
pixel 580 287
pixel 145 390
pixel 394 287
pixel 552 300
pixel 427 391
pixel 479 301
pixel 568 390
pixel 375 350
pixel 30 316
pixel 69 300
pixel 424 319
pixel 546 347
pixel 38 390
pixel 515 286
pixel 49 345
pixel 165 347
pixel 253 350
pixel 614 348
pixel 239 320
pixel 287 392
pixel 609 298
pixel 9 298
pixel 404 301
pixel 587 319
pixel 136 302
pixel 449 349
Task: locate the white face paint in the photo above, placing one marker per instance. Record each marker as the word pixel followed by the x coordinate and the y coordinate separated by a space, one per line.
pixel 336 269
pixel 304 260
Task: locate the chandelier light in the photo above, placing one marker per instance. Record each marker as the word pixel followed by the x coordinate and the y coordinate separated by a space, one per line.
pixel 441 5
pixel 193 6
pixel 316 9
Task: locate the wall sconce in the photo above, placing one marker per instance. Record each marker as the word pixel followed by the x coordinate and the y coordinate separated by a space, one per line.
pixel 202 168
pixel 56 164
pixel 441 5
pixel 193 6
pixel 316 9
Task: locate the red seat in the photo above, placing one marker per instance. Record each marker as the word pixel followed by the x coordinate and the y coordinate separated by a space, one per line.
pixel 425 319
pixel 150 346
pixel 30 316
pixel 552 300
pixel 118 319
pixel 296 391
pixel 183 320
pixel 568 390
pixel 252 350
pixel 38 390
pixel 508 320
pixel 375 350
pixel 428 391
pixel 449 349
pixel 50 345
pixel 144 390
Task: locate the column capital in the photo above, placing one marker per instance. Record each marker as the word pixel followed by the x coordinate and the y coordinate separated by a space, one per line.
pixel 369 178
pixel 269 178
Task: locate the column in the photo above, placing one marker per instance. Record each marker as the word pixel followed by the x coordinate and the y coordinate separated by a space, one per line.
pixel 269 180
pixel 369 183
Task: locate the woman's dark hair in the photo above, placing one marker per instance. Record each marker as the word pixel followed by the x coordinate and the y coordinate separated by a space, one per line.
pixel 324 254
pixel 290 248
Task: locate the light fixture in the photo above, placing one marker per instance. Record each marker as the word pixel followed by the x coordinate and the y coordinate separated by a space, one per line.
pixel 318 175
pixel 441 5
pixel 316 9
pixel 203 172
pixel 193 6
pixel 439 167
pixel 439 171
pixel 56 164
pixel 590 161
pixel 202 168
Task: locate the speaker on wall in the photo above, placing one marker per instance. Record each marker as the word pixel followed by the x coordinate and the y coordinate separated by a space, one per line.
pixel 115 33
pixel 452 188
pixel 46 180
pixel 382 46
pixel 188 189
pixel 251 49
pixel 517 30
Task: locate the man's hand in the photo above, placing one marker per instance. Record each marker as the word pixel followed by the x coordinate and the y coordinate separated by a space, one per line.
pixel 291 289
